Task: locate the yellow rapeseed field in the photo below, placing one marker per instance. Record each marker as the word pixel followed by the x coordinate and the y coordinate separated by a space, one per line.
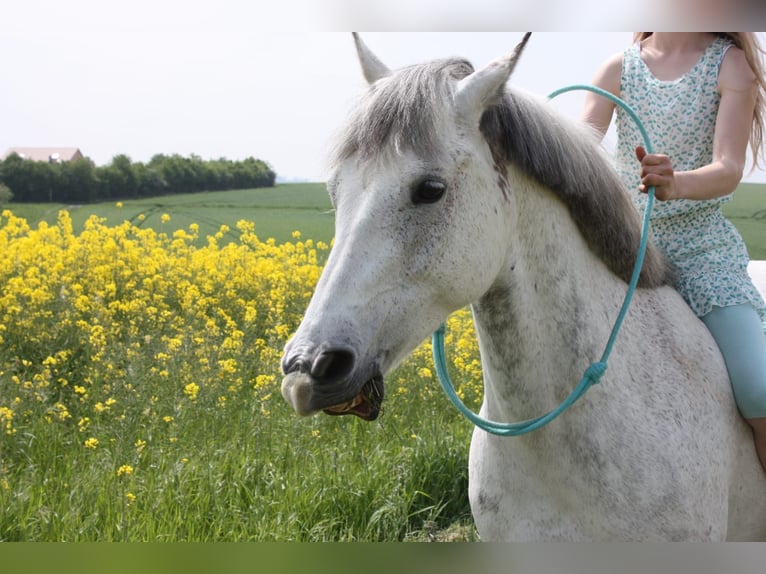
pixel 86 320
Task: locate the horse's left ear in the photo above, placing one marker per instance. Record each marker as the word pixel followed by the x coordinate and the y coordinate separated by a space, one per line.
pixel 372 68
pixel 479 90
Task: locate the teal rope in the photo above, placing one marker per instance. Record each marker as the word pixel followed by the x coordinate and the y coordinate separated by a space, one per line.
pixel 596 370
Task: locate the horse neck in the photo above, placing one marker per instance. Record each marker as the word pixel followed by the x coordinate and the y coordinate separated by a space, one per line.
pixel 548 314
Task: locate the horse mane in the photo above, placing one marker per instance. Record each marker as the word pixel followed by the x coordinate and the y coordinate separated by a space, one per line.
pixel 402 110
pixel 567 159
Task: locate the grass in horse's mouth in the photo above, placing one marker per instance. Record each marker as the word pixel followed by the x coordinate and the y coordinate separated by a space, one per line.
pixel 365 405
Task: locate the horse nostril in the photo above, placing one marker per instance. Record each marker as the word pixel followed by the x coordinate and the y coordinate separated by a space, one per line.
pixel 292 363
pixel 332 365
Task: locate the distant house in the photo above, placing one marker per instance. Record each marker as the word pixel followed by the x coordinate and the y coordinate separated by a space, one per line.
pixel 46 154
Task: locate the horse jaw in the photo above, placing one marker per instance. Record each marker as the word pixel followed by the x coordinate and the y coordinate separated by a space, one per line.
pixel 479 90
pixel 372 68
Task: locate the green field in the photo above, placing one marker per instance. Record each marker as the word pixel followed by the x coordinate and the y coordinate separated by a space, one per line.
pixel 305 207
pixel 276 211
pixel 748 212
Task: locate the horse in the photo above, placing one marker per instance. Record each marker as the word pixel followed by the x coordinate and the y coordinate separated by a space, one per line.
pixel 452 189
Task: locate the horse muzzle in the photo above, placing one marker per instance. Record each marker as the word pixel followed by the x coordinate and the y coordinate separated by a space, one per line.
pixel 328 382
pixel 299 390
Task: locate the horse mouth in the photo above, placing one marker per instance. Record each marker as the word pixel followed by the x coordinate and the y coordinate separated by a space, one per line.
pixel 366 404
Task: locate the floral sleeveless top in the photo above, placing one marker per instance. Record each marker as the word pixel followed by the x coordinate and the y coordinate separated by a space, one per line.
pixel 680 116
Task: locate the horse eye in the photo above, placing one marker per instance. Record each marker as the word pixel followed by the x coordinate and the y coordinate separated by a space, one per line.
pixel 428 191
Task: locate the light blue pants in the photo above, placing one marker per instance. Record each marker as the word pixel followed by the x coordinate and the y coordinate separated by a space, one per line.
pixel 739 333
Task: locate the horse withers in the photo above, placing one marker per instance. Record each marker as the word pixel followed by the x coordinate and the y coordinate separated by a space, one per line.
pixel 450 190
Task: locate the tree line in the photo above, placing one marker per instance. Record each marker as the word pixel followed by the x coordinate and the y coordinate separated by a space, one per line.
pixel 81 181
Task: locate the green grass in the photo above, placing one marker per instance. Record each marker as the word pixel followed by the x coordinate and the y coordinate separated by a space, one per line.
pixel 235 476
pixel 747 211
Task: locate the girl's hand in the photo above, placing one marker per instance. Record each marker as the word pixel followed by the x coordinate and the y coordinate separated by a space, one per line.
pixel 657 171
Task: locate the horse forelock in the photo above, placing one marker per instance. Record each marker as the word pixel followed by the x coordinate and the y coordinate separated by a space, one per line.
pixel 402 111
pixel 567 159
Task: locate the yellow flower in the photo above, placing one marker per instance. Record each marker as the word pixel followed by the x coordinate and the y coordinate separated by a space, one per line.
pixel 130 498
pixel 140 445
pixel 61 412
pixel 83 424
pixel 125 469
pixel 91 443
pixel 264 381
pixel 191 390
pixel 164 218
pixel 6 416
pixel 118 205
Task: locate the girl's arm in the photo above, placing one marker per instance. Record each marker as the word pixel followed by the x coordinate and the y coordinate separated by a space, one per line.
pixel 736 84
pixel 597 110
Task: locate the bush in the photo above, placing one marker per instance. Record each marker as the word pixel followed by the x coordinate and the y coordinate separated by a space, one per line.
pixel 6 195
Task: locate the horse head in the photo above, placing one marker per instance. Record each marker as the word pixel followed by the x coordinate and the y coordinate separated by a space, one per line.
pixel 421 208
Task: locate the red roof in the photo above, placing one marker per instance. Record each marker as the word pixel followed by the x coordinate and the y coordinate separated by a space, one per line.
pixel 47 154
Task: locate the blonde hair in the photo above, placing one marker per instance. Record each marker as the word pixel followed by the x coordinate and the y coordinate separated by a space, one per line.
pixel 748 43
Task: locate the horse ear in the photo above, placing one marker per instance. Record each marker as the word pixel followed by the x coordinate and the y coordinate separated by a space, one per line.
pixel 372 68
pixel 479 90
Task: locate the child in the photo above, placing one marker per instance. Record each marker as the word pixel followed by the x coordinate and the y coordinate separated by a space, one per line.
pixel 700 96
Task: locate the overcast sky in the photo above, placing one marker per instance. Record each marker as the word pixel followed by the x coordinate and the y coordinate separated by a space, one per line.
pixel 217 79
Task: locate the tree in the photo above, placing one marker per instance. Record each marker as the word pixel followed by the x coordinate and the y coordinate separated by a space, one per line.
pixel 79 181
pixel 150 181
pixel 118 179
pixel 29 180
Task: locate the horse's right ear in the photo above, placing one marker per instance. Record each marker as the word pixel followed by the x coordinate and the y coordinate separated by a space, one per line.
pixel 372 68
pixel 479 90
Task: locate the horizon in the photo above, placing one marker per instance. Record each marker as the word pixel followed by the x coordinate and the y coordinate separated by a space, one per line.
pixel 279 179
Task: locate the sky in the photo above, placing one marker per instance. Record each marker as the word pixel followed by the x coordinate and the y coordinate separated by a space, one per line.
pixel 237 78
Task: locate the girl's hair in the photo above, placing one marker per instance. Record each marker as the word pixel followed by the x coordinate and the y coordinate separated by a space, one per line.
pixel 748 43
